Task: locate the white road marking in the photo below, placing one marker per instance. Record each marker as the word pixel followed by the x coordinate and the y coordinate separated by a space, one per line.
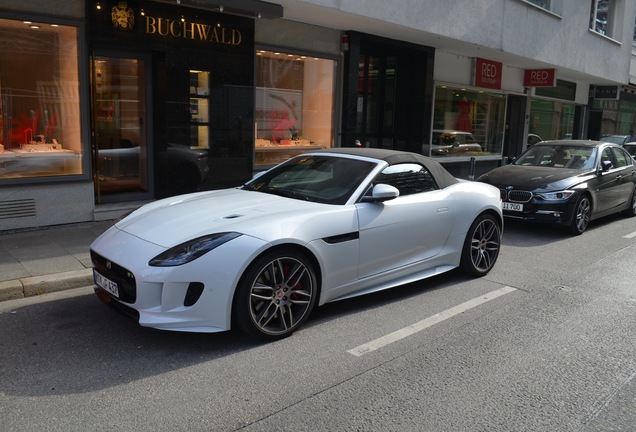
pixel 632 235
pixel 427 322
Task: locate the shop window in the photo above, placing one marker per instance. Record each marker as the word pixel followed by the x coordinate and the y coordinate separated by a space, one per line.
pixel 551 120
pixel 604 17
pixel 618 120
pixel 40 130
pixel 466 123
pixel 294 105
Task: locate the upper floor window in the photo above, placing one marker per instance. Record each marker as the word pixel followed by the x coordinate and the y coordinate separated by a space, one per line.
pixel 545 4
pixel 554 6
pixel 603 18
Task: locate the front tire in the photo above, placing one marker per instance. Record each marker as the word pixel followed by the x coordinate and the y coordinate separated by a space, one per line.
pixel 275 295
pixel 582 214
pixel 481 247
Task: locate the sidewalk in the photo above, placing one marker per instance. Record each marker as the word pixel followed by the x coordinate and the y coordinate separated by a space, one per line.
pixel 47 259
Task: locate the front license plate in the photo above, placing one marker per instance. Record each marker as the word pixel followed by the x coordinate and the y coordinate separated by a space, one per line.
pixel 512 206
pixel 106 284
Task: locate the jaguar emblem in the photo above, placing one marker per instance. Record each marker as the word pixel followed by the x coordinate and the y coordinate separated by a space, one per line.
pixel 123 16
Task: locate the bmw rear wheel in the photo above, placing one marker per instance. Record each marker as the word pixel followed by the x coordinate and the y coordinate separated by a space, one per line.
pixel 582 213
pixel 481 247
pixel 275 295
pixel 631 210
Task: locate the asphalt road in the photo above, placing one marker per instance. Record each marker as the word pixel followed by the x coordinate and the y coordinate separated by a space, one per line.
pixel 545 342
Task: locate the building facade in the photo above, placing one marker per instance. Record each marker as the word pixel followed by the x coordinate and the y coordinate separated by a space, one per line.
pixel 106 104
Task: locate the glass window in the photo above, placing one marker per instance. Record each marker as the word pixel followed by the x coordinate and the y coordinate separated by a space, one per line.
pixel 550 120
pixel 618 120
pixel 622 158
pixel 40 128
pixel 603 17
pixel 466 122
pixel 545 4
pixel 294 105
pixel 408 178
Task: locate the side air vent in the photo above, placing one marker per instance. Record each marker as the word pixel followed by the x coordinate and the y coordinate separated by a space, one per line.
pixel 17 208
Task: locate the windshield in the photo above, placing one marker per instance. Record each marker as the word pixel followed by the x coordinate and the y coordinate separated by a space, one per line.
pixel 323 179
pixel 559 156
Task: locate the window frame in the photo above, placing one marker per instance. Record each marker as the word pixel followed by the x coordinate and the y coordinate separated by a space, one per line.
pixel 393 174
pixel 612 27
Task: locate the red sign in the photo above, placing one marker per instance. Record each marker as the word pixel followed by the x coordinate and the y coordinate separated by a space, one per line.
pixel 539 78
pixel 488 73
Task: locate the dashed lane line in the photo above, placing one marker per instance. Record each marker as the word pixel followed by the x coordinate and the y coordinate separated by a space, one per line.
pixel 427 322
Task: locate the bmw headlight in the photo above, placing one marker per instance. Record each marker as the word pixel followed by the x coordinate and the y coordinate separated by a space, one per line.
pixel 191 250
pixel 555 196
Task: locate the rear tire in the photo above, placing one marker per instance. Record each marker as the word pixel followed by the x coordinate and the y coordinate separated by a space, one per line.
pixel 481 247
pixel 631 210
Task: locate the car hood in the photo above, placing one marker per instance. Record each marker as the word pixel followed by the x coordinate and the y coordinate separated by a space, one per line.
pixel 173 220
pixel 533 177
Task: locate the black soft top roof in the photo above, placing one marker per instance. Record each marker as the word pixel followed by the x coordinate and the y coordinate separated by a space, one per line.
pixel 392 157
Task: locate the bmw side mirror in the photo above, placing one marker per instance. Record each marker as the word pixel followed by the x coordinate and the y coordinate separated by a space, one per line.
pixel 606 166
pixel 382 192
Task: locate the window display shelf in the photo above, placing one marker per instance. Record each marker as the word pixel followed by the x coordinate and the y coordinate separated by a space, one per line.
pixel 274 154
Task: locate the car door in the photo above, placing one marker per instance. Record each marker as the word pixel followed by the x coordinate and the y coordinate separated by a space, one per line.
pixel 405 230
pixel 610 183
pixel 626 177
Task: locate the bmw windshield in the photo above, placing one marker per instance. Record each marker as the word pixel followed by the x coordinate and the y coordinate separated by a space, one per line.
pixel 559 156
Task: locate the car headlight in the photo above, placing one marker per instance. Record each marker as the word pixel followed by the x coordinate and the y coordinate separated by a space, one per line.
pixel 191 250
pixel 555 196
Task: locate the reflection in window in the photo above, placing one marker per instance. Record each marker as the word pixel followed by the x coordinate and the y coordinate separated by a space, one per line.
pixel 545 4
pixel 466 122
pixel 294 105
pixel 551 120
pixel 408 178
pixel 40 132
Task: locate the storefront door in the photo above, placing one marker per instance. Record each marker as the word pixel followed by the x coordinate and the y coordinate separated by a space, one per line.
pixel 121 155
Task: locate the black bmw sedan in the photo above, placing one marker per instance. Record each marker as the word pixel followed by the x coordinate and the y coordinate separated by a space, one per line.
pixel 568 183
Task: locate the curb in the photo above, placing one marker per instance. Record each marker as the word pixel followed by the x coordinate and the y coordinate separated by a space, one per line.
pixel 37 285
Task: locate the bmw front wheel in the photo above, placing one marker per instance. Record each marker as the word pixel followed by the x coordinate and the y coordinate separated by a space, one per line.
pixel 581 217
pixel 275 295
pixel 481 247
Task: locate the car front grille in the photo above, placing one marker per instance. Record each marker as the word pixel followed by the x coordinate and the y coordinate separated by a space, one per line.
pixel 516 196
pixel 124 278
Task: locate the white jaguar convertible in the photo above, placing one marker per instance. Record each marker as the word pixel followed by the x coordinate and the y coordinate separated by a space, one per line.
pixel 320 227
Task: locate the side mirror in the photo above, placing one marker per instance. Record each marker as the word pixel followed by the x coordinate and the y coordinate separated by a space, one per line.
pixel 382 192
pixel 606 166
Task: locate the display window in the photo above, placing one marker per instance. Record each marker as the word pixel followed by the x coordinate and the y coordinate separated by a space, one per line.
pixel 618 122
pixel 466 123
pixel 294 109
pixel 550 120
pixel 40 125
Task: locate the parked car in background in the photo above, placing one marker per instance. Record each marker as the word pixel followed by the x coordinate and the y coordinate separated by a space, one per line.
pixel 568 183
pixel 320 227
pixel 616 139
pixel 445 141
